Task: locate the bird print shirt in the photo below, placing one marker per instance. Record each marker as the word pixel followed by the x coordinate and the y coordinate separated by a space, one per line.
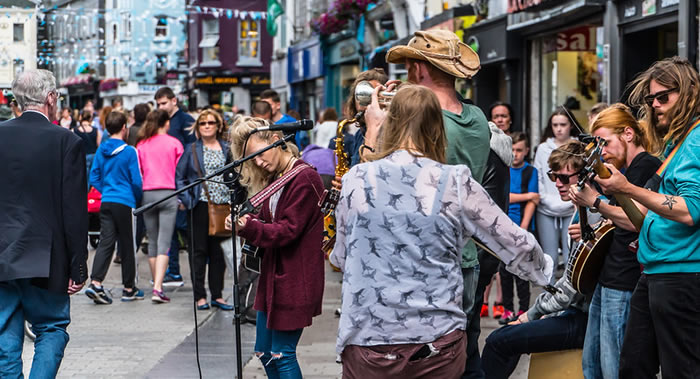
pixel 401 224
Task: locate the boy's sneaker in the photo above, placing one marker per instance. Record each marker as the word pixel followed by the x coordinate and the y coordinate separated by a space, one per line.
pixel 171 280
pixel 497 310
pixel 134 294
pixel 484 310
pixel 97 294
pixel 159 297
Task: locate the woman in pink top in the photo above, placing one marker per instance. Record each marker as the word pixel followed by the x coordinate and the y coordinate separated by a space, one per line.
pixel 158 157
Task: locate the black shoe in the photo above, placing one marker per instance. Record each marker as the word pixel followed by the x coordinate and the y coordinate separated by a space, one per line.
pixel 134 294
pixel 117 260
pixel 98 294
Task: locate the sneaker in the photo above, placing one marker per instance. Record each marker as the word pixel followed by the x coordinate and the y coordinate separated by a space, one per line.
pixel 497 311
pixel 484 310
pixel 159 297
pixel 171 280
pixel 338 311
pixel 507 317
pixel 98 294
pixel 134 294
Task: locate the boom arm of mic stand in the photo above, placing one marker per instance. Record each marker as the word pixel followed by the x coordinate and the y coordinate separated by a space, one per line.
pixel 218 172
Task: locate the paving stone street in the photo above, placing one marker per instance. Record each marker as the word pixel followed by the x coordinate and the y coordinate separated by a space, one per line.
pixel 145 340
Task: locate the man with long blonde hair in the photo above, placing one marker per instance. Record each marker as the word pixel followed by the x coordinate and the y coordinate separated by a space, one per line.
pixel 662 327
pixel 610 305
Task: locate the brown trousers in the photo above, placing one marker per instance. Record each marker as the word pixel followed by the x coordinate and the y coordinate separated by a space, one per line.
pixel 393 361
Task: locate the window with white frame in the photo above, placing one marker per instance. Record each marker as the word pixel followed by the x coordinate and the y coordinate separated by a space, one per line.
pixel 161 27
pixel 249 43
pixel 18 32
pixel 126 25
pixel 210 42
pixel 115 34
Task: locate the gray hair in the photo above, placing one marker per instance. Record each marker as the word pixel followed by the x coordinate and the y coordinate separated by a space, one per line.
pixel 31 88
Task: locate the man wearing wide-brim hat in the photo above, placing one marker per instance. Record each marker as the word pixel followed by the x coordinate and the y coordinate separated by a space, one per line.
pixel 434 59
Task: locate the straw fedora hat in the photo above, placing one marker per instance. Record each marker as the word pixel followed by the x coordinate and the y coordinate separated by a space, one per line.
pixel 442 48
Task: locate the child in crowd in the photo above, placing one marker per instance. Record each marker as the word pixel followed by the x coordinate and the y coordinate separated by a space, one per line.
pixel 524 197
pixel 115 173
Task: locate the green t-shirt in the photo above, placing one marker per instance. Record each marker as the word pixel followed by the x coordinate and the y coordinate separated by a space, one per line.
pixel 468 143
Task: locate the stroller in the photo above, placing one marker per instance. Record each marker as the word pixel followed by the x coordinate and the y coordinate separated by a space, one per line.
pixel 93 205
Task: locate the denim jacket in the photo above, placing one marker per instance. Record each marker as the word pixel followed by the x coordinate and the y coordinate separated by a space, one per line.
pixel 186 172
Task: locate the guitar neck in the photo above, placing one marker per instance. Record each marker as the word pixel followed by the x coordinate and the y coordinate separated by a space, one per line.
pixel 633 213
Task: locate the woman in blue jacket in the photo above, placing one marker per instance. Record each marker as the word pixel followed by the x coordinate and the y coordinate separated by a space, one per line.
pixel 207 154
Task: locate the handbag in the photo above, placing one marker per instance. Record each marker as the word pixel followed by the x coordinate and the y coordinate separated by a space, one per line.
pixel 217 212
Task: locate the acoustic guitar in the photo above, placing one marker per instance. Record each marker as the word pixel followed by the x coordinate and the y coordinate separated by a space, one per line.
pixel 586 261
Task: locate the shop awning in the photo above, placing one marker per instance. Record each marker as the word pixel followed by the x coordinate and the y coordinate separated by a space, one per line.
pixel 77 79
pixel 209 41
pixel 552 18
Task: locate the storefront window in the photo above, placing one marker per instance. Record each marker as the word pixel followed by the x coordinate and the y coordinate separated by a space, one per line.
pixel 249 43
pixel 571 72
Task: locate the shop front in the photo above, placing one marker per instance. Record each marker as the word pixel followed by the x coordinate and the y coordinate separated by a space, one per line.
pixel 343 68
pixel 305 75
pixel 565 67
pixel 500 76
pixel 228 90
pixel 651 30
pixel 80 89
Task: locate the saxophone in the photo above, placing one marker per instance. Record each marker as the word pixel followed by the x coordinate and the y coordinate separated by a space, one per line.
pixel 330 197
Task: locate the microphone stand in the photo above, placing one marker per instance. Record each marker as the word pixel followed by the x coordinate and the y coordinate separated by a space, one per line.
pixel 235 189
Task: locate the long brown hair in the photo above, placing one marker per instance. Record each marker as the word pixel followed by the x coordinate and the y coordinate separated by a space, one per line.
pixel 252 176
pixel 549 132
pixel 155 120
pixel 675 72
pixel 104 113
pixel 415 117
pixel 617 117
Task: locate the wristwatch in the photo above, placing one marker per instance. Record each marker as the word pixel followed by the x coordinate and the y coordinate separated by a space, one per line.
pixel 596 204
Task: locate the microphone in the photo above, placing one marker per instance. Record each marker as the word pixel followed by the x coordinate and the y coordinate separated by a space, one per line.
pixel 288 127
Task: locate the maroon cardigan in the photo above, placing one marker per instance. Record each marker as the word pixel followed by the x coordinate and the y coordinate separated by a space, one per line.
pixel 290 288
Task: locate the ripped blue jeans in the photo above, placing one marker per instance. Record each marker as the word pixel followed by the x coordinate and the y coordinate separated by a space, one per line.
pixel 277 349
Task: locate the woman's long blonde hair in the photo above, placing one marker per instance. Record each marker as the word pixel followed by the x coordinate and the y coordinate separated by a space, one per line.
pixel 676 73
pixel 414 118
pixel 253 177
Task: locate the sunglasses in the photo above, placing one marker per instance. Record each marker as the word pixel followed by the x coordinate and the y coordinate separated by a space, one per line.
pixel 661 96
pixel 563 178
pixel 208 123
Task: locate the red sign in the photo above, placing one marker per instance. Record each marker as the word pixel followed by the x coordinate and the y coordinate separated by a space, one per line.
pixel 578 39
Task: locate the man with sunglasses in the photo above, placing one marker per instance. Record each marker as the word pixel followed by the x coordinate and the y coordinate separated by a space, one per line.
pixel 662 327
pixel 610 305
pixel 531 332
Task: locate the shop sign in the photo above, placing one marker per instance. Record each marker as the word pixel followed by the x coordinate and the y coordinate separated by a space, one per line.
pixel 521 5
pixel 630 11
pixel 668 3
pixel 578 39
pixel 344 51
pixel 232 80
pixel 648 8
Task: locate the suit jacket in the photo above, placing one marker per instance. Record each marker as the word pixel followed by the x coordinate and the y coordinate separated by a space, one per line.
pixel 43 206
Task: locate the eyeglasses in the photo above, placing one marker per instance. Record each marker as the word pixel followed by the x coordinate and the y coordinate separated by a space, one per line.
pixel 661 96
pixel 563 178
pixel 208 123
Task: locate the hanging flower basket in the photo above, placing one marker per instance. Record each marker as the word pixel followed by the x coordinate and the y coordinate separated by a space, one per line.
pixel 338 15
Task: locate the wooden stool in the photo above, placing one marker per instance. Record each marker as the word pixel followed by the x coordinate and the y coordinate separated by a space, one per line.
pixel 565 364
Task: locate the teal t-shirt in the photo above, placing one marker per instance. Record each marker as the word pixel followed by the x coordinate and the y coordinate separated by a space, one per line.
pixel 468 143
pixel 667 246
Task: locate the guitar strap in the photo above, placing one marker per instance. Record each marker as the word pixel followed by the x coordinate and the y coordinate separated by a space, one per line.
pixel 259 198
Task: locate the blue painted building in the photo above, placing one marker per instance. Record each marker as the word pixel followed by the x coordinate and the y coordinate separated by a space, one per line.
pixel 144 48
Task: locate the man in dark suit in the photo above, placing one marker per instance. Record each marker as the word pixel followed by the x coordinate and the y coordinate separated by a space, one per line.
pixel 43 224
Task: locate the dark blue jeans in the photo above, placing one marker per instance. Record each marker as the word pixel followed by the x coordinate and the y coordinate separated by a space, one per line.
pixel 180 228
pixel 279 350
pixel 505 345
pixel 49 314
